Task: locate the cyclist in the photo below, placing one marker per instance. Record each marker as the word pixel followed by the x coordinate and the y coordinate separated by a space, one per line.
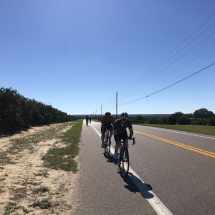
pixel 106 123
pixel 87 118
pixel 120 127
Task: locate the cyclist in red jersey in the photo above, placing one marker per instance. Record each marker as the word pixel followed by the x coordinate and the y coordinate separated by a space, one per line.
pixel 106 123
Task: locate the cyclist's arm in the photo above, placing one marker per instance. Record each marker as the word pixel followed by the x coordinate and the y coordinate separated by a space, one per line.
pixel 131 132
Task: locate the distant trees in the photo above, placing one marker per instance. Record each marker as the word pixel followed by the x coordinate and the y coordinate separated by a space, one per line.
pixel 18 112
pixel 201 117
pixel 183 120
pixel 203 113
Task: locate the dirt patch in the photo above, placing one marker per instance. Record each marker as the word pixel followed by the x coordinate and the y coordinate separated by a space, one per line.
pixel 26 186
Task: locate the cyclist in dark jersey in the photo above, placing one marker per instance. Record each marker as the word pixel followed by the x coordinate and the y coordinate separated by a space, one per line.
pixel 87 118
pixel 120 132
pixel 106 123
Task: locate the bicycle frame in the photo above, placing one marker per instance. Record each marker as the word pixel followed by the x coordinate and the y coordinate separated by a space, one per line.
pixel 123 163
pixel 107 142
pixel 107 135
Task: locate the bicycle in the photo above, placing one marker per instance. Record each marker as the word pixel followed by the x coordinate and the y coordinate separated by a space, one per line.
pixel 86 122
pixel 107 142
pixel 122 161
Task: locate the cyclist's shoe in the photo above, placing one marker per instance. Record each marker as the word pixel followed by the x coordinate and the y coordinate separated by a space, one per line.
pixel 115 155
pixel 126 158
pixel 102 145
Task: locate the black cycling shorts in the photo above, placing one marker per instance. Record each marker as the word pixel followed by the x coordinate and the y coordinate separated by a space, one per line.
pixel 108 127
pixel 121 136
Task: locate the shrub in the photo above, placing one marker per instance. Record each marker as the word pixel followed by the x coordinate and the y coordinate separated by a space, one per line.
pixel 183 120
pixel 153 120
pixel 211 121
pixel 164 120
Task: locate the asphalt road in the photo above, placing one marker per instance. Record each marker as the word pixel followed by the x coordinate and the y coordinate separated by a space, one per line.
pixel 181 179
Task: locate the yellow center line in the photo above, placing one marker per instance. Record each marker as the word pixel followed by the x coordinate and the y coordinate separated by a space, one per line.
pixel 191 148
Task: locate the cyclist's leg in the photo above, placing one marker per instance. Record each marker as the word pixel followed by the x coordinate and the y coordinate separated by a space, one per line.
pixel 111 131
pixel 117 142
pixel 103 136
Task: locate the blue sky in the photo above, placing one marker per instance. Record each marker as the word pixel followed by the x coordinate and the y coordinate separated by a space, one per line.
pixel 76 54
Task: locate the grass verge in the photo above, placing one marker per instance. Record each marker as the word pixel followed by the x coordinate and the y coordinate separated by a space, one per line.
pixel 63 158
pixel 200 129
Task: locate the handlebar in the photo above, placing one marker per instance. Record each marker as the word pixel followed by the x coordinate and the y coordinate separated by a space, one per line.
pixel 134 142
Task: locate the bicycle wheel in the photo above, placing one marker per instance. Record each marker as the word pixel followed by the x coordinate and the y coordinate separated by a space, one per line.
pixel 108 147
pixel 125 161
pixel 105 146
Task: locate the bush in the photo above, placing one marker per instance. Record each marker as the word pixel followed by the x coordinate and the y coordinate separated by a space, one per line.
pixel 183 120
pixel 211 121
pixel 164 120
pixel 153 120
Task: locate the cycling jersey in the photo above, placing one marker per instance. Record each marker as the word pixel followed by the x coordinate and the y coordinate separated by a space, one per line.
pixel 118 125
pixel 107 121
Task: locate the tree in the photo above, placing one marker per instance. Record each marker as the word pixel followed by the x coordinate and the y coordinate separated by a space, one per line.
pixel 163 120
pixel 183 120
pixel 153 120
pixel 173 118
pixel 203 113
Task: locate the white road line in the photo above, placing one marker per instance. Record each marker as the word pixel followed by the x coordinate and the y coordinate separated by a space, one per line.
pixel 169 130
pixel 153 200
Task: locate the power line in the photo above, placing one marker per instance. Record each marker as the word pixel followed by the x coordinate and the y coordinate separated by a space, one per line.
pixel 172 84
pixel 172 57
pixel 171 72
pixel 168 54
pixel 172 63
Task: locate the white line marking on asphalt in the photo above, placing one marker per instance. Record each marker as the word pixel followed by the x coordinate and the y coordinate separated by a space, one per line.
pixel 153 200
pixel 165 129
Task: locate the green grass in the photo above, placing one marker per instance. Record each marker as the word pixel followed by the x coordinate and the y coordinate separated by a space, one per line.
pixel 200 129
pixel 13 206
pixel 63 158
pixel 44 204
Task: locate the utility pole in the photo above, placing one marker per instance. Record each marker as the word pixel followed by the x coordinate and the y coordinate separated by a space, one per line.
pixel 116 103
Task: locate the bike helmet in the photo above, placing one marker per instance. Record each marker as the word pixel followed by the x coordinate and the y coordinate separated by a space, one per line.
pixel 107 114
pixel 124 115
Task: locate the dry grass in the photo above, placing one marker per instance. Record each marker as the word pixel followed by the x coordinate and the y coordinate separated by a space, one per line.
pixel 40 190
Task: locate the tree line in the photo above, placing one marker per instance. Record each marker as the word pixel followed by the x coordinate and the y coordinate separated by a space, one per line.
pixel 18 112
pixel 199 117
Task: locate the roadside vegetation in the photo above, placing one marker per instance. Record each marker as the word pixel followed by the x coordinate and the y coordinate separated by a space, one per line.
pixel 63 158
pixel 201 121
pixel 42 164
pixel 210 130
pixel 18 145
pixel 18 113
